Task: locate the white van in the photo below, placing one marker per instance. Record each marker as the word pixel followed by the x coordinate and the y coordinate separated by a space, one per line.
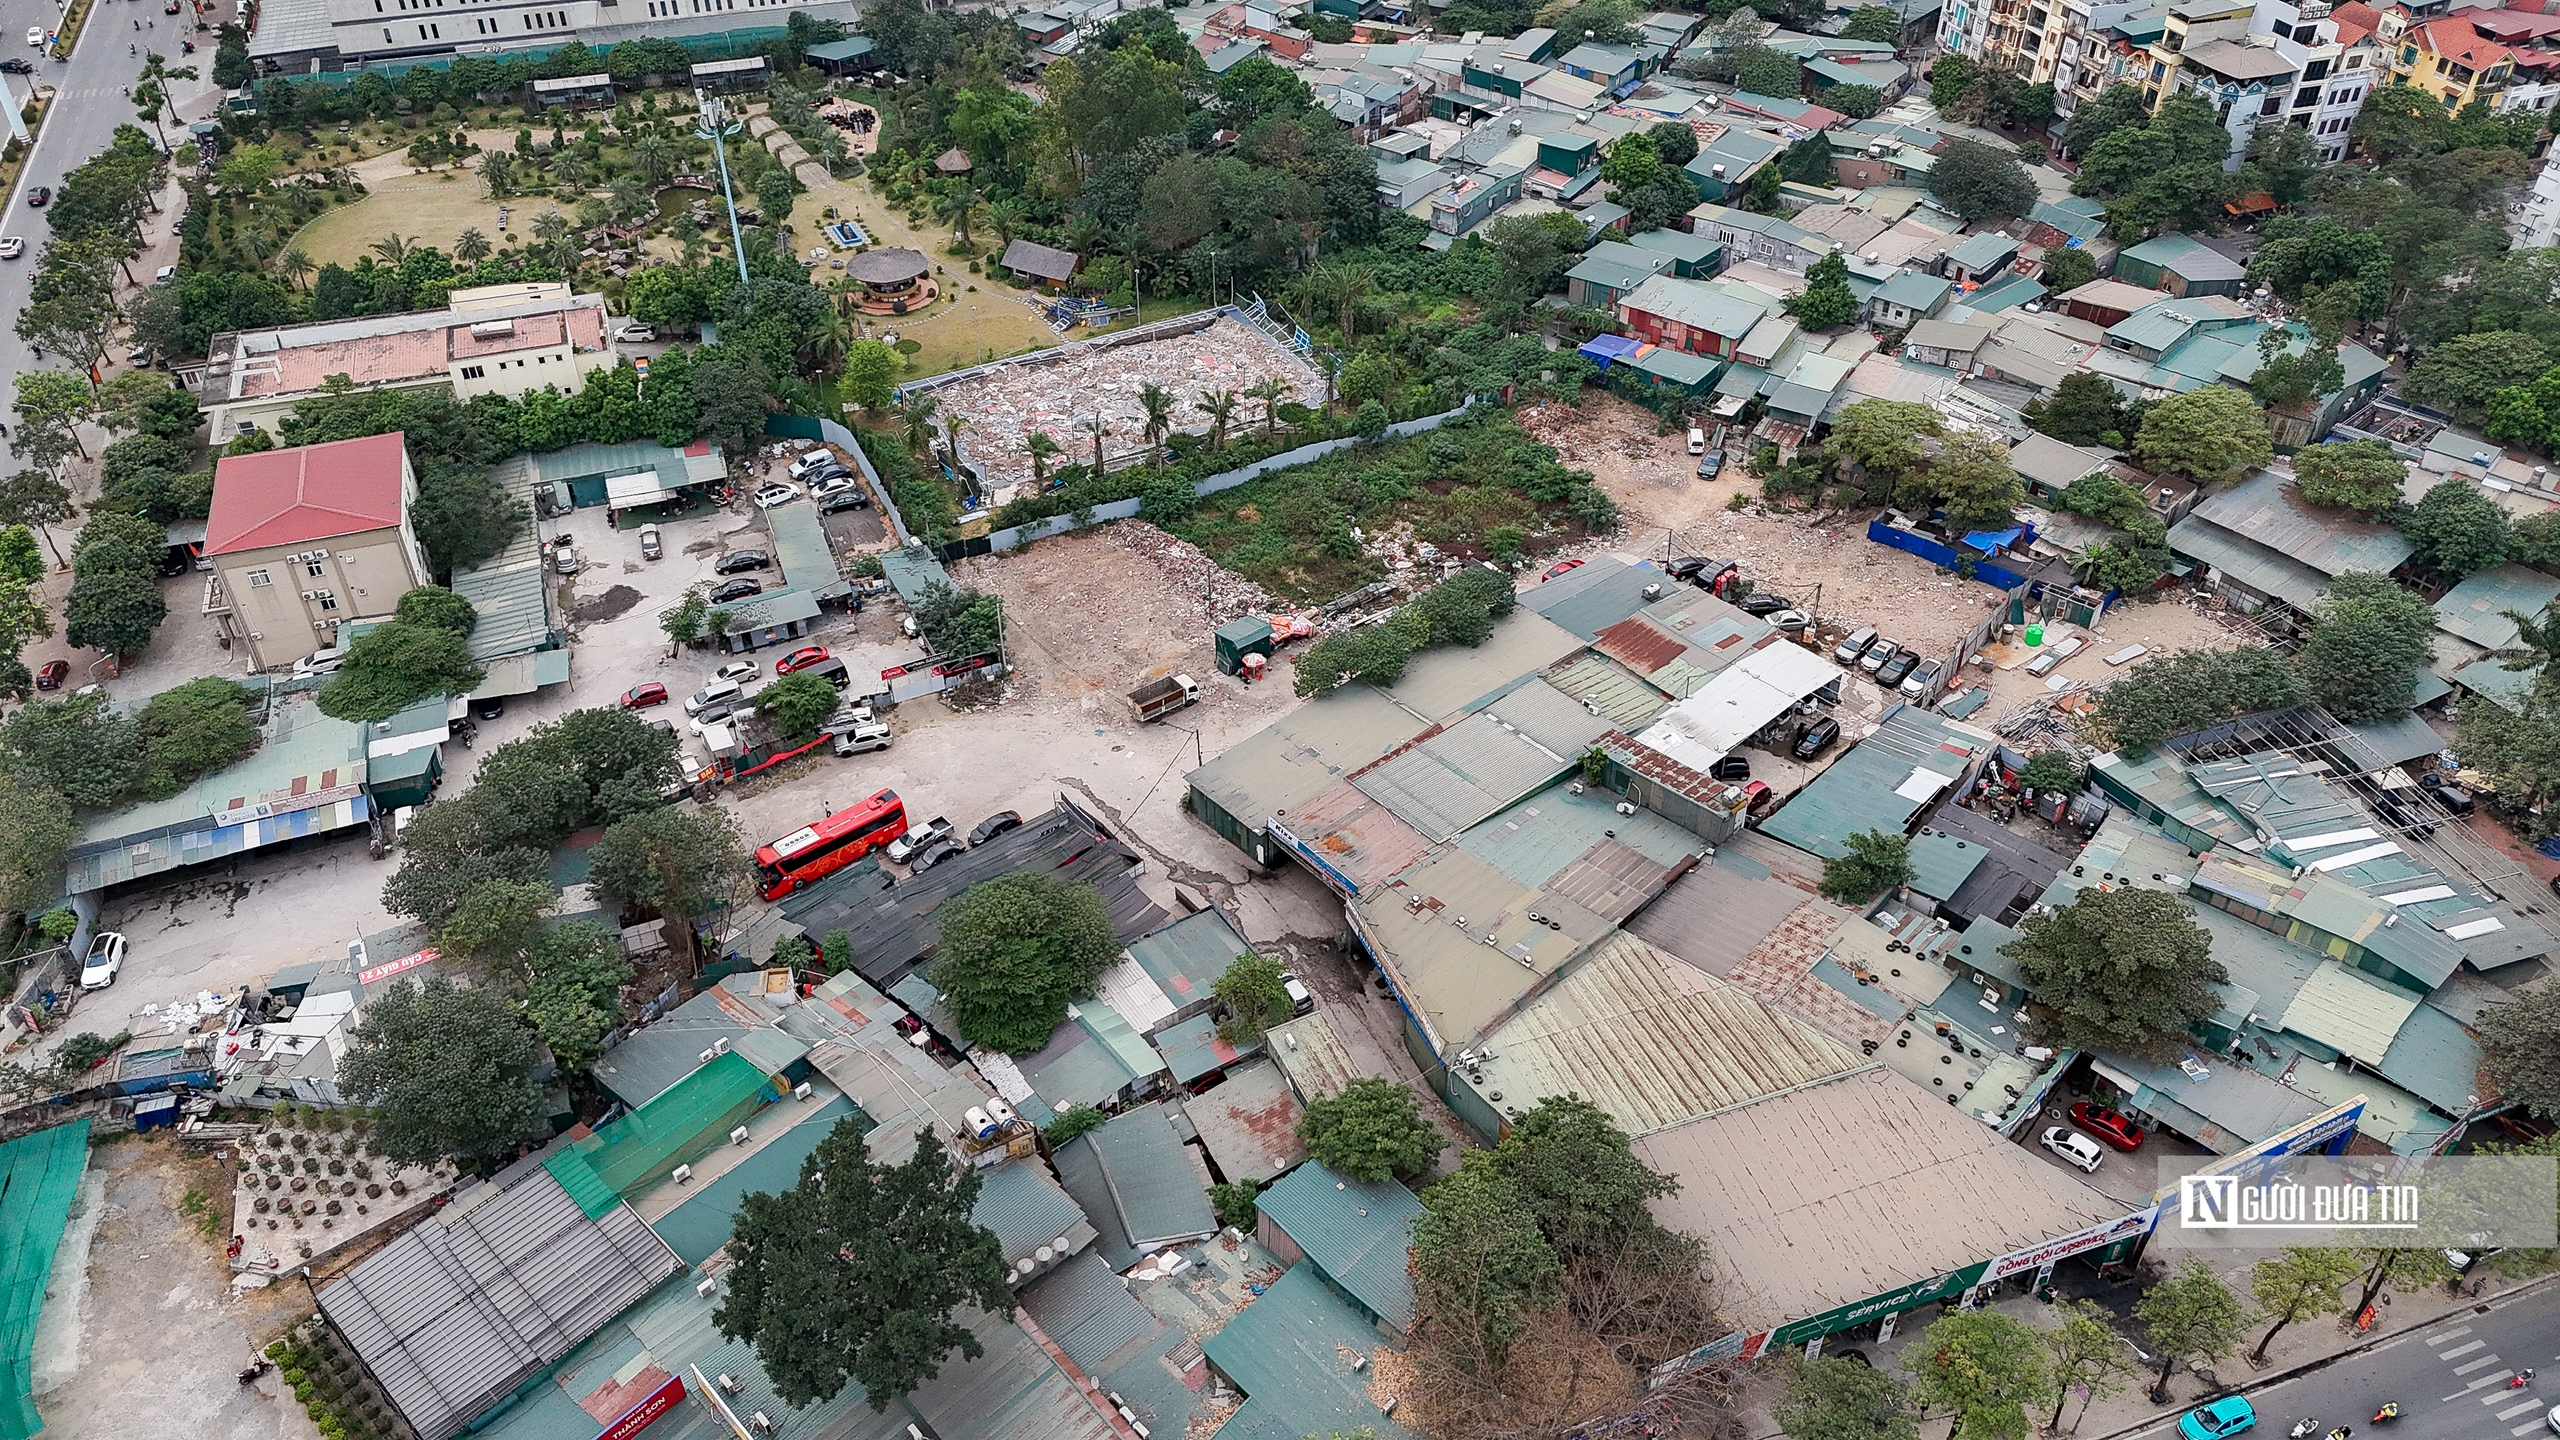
pixel 812 460
pixel 717 692
pixel 1697 441
pixel 863 738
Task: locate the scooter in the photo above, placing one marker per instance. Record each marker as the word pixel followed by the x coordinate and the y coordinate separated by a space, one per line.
pixel 2523 1378
pixel 2389 1412
pixel 256 1368
pixel 2304 1431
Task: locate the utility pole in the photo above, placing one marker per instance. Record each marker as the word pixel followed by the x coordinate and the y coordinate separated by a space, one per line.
pixel 715 123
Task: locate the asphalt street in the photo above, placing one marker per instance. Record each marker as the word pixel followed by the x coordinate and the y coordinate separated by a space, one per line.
pixel 2450 1378
pixel 89 103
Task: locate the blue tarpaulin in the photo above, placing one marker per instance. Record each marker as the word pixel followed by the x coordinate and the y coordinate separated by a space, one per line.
pixel 1992 542
pixel 1601 349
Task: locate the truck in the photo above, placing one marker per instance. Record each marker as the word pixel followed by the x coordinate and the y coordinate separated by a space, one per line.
pixel 1159 698
pixel 906 847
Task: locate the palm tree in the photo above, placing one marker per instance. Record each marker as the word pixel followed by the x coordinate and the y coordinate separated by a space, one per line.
pixel 295 264
pixel 1268 390
pixel 1218 405
pixel 918 415
pixel 826 344
pixel 254 245
pixel 2536 645
pixel 952 425
pixel 1159 408
pixel 627 197
pixel 1350 284
pixel 548 226
pixel 960 207
pixel 562 252
pixel 471 247
pixel 1043 451
pixel 655 157
pixel 497 171
pixel 1004 217
pixel 568 167
pixel 393 247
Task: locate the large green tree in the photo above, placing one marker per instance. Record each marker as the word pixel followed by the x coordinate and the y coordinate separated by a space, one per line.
pixel 2121 969
pixel 1373 1130
pixel 1826 302
pixel 2191 689
pixel 1988 1368
pixel 1014 951
pixel 36 831
pixel 1977 181
pixel 1480 1262
pixel 2520 1049
pixel 2458 530
pixel 2207 434
pixel 2364 475
pixel 2302 1283
pixel 2190 1316
pixel 2085 409
pixel 859 1273
pixel 1835 1399
pixel 1885 437
pixel 396 665
pixel 1254 996
pixel 1876 862
pixel 447 1070
pixel 681 862
pixel 2368 639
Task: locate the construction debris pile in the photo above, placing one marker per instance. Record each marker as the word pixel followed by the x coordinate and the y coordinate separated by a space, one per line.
pixel 1067 391
pixel 1218 594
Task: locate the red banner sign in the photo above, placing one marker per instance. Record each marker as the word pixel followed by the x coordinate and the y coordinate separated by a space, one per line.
pixel 640 1416
pixel 389 968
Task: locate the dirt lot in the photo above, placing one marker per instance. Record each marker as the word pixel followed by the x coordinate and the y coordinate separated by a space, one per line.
pixel 1670 512
pixel 141 1332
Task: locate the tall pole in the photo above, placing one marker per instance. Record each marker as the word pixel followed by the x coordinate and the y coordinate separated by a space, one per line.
pixel 715 123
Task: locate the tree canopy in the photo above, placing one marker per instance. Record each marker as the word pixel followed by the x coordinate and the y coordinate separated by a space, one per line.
pixel 447 1070
pixel 2191 689
pixel 2368 639
pixel 1978 181
pixel 1373 1130
pixel 1876 862
pixel 2122 969
pixel 2207 434
pixel 1014 951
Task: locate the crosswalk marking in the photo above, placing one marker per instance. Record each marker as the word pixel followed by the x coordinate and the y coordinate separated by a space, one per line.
pixel 2490 1359
pixel 2513 1411
pixel 2455 1333
pixel 2527 1428
pixel 2462 1349
pixel 2493 1399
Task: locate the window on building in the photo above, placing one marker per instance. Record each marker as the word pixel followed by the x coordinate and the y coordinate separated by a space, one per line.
pixel 474 372
pixel 259 578
pixel 2317 69
pixel 2283 31
pixel 2272 105
pixel 315 568
pixel 328 601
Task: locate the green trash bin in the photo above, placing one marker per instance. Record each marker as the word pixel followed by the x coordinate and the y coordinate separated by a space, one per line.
pixel 2035 636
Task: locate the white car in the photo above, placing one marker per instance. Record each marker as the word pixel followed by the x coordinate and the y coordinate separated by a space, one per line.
pixel 1301 1000
pixel 2073 1146
pixel 829 489
pixel 106 957
pixel 738 670
pixel 813 460
pixel 565 559
pixel 776 493
pixel 720 714
pixel 634 335
pixel 11 247
pixel 35 35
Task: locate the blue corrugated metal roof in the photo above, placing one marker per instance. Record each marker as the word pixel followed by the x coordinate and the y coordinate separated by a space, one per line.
pixel 1193 1049
pixel 1355 1231
pixel 1290 1352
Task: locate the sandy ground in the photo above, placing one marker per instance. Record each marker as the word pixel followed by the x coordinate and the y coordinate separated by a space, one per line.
pixel 141 1332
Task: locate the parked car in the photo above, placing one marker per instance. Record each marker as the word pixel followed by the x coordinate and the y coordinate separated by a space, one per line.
pixel 740 560
pixel 15 66
pixel 800 659
pixel 810 460
pixel 856 498
pixel 2403 813
pixel 1761 602
pixel 51 675
pixel 993 826
pixel 864 738
pixel 1921 680
pixel 833 486
pixel 1877 654
pixel 651 546
pixel 318 662
pixel 641 697
pixel 776 493
pixel 635 334
pixel 942 848
pixel 1559 568
pixel 1301 999
pixel 720 714
pixel 733 590
pixel 2224 1417
pixel 738 670
pixel 718 692
pixel 1697 441
pixel 1894 671
pixel 1731 767
pixel 106 957
pixel 11 247
pixel 2072 1146
pixel 1790 621
pixel 2454 799
pixel 2107 1125
pixel 492 707
pixel 917 837
pixel 1712 466
pixel 565 559
pixel 1854 645
pixel 1757 797
pixel 1818 737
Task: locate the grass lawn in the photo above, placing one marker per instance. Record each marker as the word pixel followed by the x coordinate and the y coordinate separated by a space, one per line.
pixel 425 209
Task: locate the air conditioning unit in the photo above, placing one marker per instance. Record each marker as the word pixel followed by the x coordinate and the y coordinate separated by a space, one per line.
pixel 310 594
pixel 800 1091
pixel 706 1288
pixel 761 1423
pixel 738 1136
pixel 319 554
pixel 706 1057
pixel 720 1046
pixel 729 1384
pixel 683 1173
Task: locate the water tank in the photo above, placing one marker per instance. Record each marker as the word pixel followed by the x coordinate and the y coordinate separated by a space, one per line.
pixel 981 1124
pixel 1003 1113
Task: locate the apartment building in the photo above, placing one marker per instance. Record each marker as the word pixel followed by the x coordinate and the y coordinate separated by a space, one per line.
pixel 309 37
pixel 305 539
pixel 2506 58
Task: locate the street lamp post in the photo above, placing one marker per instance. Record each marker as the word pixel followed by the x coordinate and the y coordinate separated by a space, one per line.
pixel 714 125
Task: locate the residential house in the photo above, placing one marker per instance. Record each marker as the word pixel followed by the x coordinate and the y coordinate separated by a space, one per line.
pixel 1609 270
pixel 1614 68
pixel 305 539
pixel 1771 241
pixel 1947 343
pixel 1726 163
pixel 1909 296
pixel 2182 266
pixel 2258 543
pixel 1980 257
pixel 1693 257
pixel 1470 203
pixel 2106 302
pixel 2249 82
pixel 1688 316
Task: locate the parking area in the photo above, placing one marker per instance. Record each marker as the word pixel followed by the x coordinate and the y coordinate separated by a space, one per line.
pixel 2132 1177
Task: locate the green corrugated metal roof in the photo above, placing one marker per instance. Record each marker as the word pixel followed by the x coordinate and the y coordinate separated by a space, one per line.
pixel 1192 1049
pixel 800 548
pixel 2434 1058
pixel 2475 609
pixel 40 1174
pixel 1623 697
pixel 909 570
pixel 2348 1012
pixel 1290 1352
pixel 1543 833
pixel 1024 1208
pixel 1186 957
pixel 1356 1232
pixel 631 1150
pixel 1151 1181
pixel 509 598
pixel 1940 862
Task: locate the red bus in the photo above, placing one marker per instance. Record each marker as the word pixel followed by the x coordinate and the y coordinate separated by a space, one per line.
pixel 818 850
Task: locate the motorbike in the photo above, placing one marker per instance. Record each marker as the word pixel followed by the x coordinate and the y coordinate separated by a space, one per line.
pixel 2523 1378
pixel 189 46
pixel 256 1368
pixel 2389 1412
pixel 2304 1431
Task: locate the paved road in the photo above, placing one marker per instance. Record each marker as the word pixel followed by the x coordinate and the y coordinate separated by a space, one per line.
pixel 2450 1379
pixel 89 104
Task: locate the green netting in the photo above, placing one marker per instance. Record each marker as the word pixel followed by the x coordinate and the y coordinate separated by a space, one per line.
pixel 39 1177
pixel 582 1182
pixel 692 1115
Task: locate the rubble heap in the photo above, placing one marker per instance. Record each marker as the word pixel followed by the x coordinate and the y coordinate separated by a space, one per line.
pixel 1219 595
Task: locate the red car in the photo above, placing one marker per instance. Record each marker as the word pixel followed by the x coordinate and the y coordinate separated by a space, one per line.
pixel 1559 568
pixel 640 697
pixel 51 675
pixel 800 659
pixel 2107 1125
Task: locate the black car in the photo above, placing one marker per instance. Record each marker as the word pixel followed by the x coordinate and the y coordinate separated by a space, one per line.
pixel 738 560
pixel 39 195
pixel 1731 767
pixel 1818 737
pixel 1687 566
pixel 993 826
pixel 1761 603
pixel 938 850
pixel 2454 799
pixel 2402 814
pixel 855 499
pixel 14 66
pixel 734 590
pixel 1890 674
pixel 492 708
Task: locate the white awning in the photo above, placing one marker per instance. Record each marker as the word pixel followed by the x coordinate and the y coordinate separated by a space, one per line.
pixel 640 487
pixel 1735 705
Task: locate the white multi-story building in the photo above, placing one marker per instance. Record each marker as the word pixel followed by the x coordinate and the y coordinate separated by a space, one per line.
pixel 301 37
pixel 2334 55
